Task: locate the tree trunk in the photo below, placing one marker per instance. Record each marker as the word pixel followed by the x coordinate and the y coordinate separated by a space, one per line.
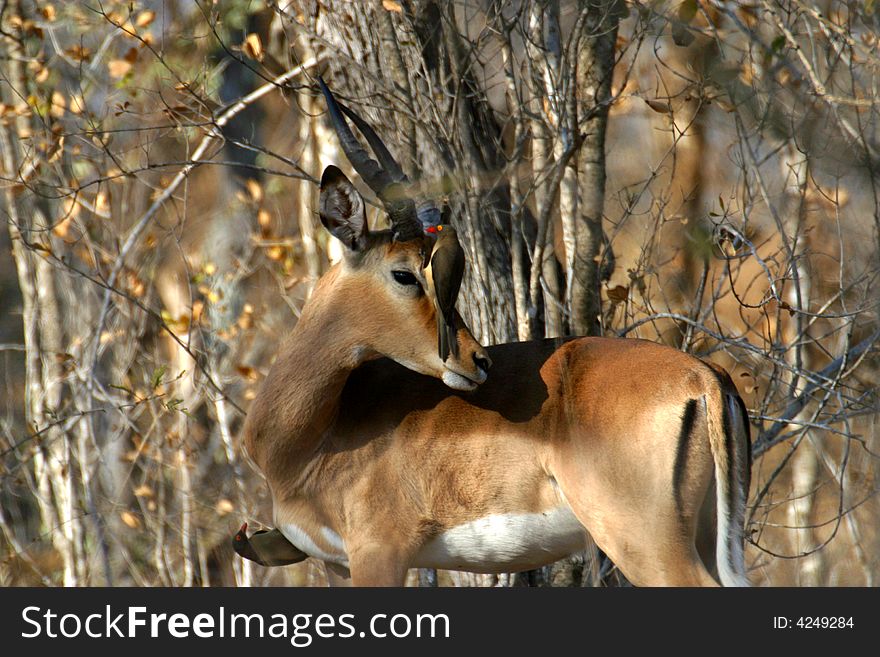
pixel 595 67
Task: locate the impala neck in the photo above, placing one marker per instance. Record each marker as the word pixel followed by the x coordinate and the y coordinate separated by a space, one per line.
pixel 300 397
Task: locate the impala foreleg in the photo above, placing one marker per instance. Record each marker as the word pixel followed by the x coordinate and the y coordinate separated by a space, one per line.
pixel 377 564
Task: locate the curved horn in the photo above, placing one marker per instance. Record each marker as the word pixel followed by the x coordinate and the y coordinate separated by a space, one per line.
pixel 427 212
pixel 368 169
pixel 386 159
pixel 401 209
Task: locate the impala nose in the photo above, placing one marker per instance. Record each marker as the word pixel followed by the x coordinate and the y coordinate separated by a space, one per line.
pixel 483 362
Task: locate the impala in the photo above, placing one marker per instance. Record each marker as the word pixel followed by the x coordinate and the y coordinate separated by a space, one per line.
pixel 384 452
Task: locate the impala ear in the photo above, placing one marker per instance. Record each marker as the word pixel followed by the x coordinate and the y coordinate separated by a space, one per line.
pixel 342 209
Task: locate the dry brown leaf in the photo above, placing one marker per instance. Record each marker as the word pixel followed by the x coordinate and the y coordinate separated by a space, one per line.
pixel 618 294
pixel 59 104
pixel 224 507
pixel 747 15
pixel 62 228
pixel 136 286
pixel 145 18
pixel 246 319
pixel 659 107
pixel 118 67
pixel 128 30
pixel 255 190
pixel 31 27
pixel 131 521
pixel 391 5
pixel 548 112
pixel 253 46
pixel 264 219
pixel 247 372
pixel 724 105
pixel 197 308
pixel 77 104
pixel 102 202
pixel 143 491
pixel 79 53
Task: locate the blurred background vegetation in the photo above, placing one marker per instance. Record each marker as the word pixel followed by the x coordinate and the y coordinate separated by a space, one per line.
pixel 701 172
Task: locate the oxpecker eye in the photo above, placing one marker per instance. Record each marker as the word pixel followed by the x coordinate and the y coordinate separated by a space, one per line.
pixel 404 277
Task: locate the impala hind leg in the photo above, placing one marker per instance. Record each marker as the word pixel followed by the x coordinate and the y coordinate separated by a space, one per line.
pixel 646 555
pixel 649 540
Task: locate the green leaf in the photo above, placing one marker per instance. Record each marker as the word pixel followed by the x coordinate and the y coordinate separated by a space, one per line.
pixel 175 405
pixel 158 375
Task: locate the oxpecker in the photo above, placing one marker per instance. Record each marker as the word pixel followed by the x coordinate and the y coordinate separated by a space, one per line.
pixel 266 547
pixel 445 271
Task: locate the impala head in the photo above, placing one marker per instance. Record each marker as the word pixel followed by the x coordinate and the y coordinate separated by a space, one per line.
pixel 397 288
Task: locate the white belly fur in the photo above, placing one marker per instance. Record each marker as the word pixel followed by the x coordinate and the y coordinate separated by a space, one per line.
pixel 493 544
pixel 510 541
pixel 333 550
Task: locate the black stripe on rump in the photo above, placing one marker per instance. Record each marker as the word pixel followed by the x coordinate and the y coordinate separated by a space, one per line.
pixel 730 448
pixel 682 449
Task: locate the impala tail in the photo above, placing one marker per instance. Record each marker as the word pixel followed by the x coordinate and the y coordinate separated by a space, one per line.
pixel 731 450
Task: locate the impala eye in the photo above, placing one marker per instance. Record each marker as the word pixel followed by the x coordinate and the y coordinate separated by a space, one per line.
pixel 404 277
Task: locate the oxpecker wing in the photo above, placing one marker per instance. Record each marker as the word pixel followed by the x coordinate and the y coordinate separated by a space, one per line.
pixel 266 547
pixel 447 269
